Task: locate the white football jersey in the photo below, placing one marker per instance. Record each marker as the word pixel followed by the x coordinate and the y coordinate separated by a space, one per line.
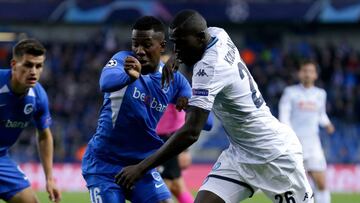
pixel 304 109
pixel 221 82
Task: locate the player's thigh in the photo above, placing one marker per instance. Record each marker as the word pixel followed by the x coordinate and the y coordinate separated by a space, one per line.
pixel 225 182
pixel 103 189
pixel 12 180
pixel 150 189
pixel 314 160
pixel 102 193
pixel 27 195
pixel 184 159
pixel 319 178
pixel 287 180
pixel 170 170
pixel 221 188
pixel 207 196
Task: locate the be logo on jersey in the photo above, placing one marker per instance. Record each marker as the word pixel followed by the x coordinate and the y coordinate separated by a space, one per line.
pixel 28 109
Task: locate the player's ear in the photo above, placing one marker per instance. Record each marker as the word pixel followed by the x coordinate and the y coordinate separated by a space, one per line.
pixel 163 45
pixel 201 35
pixel 13 64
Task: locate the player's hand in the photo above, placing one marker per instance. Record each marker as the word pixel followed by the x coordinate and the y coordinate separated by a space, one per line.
pixel 132 67
pixel 128 176
pixel 171 66
pixel 181 103
pixel 53 191
pixel 330 129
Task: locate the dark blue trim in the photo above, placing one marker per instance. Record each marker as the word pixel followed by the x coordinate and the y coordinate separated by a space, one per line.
pixel 212 42
pixel 234 181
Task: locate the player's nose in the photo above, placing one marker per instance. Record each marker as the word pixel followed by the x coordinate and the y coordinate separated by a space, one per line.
pixel 140 51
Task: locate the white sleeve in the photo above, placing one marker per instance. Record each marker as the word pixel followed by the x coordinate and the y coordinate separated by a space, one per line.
pixel 285 107
pixel 206 84
pixel 323 117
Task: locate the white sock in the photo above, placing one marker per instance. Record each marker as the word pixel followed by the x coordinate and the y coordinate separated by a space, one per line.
pixel 322 196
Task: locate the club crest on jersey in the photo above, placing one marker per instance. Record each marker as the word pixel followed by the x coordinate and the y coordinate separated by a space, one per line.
pixel 156 176
pixel 165 89
pixel 111 63
pixel 28 109
pixel 216 166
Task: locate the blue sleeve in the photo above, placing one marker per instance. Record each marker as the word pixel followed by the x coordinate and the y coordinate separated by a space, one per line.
pixel 183 87
pixel 209 123
pixel 42 115
pixel 113 76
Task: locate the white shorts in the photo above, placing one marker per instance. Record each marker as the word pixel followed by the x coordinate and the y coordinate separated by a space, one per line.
pixel 314 159
pixel 282 180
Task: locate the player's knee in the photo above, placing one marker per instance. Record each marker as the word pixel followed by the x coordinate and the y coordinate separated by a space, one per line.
pixel 184 160
pixel 176 188
pixel 321 185
pixel 25 196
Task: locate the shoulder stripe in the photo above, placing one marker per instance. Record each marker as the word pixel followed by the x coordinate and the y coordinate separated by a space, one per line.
pixel 116 99
pixel 4 89
pixel 212 42
pixel 31 93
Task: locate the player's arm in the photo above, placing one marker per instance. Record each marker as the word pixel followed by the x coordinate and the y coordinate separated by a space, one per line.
pixel 46 149
pixel 119 72
pixel 285 107
pixel 46 145
pixel 324 119
pixel 183 93
pixel 181 140
pixel 204 92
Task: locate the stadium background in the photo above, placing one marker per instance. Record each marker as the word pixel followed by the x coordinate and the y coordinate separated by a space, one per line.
pixel 272 37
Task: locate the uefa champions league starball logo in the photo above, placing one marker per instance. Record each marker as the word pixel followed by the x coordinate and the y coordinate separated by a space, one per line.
pixel 111 63
pixel 28 109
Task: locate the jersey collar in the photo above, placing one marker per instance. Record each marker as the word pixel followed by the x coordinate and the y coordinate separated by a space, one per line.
pixel 212 42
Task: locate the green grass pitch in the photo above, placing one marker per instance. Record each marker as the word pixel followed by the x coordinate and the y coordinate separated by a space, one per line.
pixel 83 197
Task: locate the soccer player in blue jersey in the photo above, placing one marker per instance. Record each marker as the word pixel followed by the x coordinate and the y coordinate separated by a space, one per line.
pixel 134 101
pixel 23 101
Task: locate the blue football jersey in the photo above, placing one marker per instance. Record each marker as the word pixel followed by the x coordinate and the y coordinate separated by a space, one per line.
pixel 130 112
pixel 16 113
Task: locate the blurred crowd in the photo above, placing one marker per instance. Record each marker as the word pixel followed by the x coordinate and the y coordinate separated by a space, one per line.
pixel 73 69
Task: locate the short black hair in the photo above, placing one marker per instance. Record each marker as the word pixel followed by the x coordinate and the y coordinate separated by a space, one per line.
pixel 189 18
pixel 28 46
pixel 149 23
pixel 305 61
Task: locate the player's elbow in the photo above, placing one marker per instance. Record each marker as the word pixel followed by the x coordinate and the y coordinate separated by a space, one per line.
pixel 104 87
pixel 193 134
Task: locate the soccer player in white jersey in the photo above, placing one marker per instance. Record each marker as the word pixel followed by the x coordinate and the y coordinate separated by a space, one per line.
pixel 303 107
pixel 263 153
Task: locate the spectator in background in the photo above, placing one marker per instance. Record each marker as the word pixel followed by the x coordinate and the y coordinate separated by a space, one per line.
pixel 303 107
pixel 74 65
pixel 23 100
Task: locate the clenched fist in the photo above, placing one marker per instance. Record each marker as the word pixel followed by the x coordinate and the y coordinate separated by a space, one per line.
pixel 132 67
